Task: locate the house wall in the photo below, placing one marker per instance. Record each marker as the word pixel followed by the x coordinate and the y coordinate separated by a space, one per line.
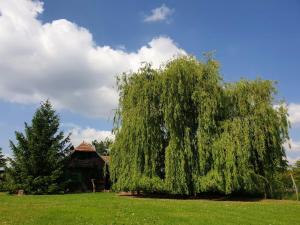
pixel 82 168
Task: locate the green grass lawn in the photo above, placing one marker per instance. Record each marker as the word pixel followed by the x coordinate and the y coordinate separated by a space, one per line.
pixel 108 208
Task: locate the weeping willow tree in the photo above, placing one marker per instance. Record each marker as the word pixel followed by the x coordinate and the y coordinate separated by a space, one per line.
pixel 182 130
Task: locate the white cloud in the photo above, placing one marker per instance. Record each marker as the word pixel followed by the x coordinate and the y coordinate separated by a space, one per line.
pixel 295 146
pixel 161 13
pixel 294 113
pixel 292 150
pixel 292 160
pixel 60 60
pixel 79 134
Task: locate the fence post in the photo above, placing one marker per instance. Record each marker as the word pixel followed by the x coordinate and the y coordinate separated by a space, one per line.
pixel 295 186
pixel 94 186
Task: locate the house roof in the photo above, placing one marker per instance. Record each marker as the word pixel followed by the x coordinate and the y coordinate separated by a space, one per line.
pixel 85 147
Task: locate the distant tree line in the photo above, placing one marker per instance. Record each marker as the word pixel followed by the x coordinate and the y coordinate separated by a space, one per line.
pixel 2 159
pixel 182 130
pixel 296 172
pixel 2 165
pixel 102 146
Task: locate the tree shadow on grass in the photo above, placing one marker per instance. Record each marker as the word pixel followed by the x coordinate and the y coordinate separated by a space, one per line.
pixel 205 196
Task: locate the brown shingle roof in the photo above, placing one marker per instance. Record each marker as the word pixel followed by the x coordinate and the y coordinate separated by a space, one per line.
pixel 85 147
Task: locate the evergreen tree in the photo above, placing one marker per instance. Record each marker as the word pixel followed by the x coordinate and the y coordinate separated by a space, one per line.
pixel 102 147
pixel 38 154
pixel 182 130
pixel 2 159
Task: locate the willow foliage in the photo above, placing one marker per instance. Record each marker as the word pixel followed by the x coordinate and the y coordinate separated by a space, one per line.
pixel 182 130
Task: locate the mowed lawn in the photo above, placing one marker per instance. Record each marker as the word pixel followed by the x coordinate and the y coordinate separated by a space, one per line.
pixel 109 208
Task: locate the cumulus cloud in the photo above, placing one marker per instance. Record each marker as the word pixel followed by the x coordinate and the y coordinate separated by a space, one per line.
pixel 292 160
pixel 295 146
pixel 161 13
pixel 88 134
pixel 294 113
pixel 292 150
pixel 60 60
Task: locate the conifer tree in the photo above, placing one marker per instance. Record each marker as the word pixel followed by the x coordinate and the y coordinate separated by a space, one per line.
pixel 38 154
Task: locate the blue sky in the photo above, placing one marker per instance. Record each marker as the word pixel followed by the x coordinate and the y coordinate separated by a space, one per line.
pixel 70 51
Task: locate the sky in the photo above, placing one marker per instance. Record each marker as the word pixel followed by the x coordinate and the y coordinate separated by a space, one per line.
pixel 70 51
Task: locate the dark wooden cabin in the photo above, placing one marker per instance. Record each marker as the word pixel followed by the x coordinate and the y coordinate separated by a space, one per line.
pixel 87 169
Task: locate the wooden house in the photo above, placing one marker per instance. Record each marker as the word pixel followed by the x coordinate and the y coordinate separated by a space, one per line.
pixel 87 170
